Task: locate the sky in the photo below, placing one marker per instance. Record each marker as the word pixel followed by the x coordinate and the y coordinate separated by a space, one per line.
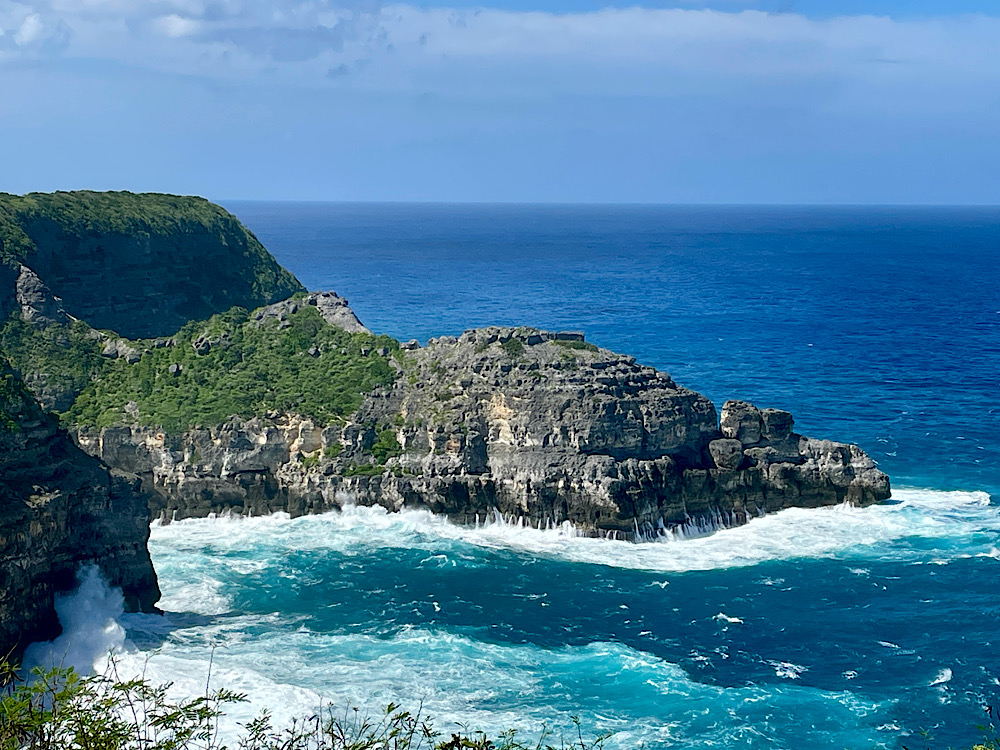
pixel 722 101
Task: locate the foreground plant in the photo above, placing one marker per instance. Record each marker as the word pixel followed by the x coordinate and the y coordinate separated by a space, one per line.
pixel 61 710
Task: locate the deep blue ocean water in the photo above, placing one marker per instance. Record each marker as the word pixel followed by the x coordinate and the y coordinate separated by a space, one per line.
pixel 807 629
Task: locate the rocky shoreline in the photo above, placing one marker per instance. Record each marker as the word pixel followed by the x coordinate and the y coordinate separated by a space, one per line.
pixel 537 427
pixel 534 426
pixel 61 509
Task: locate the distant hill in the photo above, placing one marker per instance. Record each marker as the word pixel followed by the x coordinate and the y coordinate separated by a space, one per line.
pixel 140 264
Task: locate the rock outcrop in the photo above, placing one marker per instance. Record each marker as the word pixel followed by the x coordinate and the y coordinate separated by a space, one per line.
pixel 60 509
pixel 524 423
pixel 139 264
pixel 332 307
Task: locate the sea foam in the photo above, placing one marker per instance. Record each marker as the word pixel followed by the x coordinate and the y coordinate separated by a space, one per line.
pixel 946 519
pixel 90 617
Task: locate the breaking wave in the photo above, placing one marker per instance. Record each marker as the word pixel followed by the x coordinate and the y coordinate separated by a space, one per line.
pixel 938 524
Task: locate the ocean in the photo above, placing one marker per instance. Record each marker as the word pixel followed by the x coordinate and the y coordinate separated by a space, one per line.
pixel 830 628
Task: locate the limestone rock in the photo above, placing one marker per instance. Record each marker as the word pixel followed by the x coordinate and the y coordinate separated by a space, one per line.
pixel 121 349
pixel 531 424
pixel 741 421
pixel 726 453
pixel 333 308
pixel 38 304
pixel 777 425
pixel 762 457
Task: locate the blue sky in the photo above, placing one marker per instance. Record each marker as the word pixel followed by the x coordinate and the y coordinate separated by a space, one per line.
pixel 725 101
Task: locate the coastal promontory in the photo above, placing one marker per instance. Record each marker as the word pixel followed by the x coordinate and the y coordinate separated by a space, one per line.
pixel 196 376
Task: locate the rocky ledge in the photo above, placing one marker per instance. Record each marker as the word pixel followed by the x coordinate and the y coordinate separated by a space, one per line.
pixel 528 424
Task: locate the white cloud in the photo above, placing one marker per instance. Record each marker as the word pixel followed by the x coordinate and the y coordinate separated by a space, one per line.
pixel 639 51
pixel 31 30
pixel 175 26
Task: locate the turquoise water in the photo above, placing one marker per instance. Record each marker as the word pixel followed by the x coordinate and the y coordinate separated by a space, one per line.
pixel 838 627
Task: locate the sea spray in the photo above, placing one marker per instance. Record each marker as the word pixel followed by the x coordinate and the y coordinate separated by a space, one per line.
pixel 89 616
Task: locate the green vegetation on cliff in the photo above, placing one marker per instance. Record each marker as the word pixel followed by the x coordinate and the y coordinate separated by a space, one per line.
pixel 165 259
pixel 14 399
pixel 62 359
pixel 235 365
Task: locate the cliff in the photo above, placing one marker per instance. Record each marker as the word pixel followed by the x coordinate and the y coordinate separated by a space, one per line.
pixel 140 265
pixel 60 509
pixel 538 426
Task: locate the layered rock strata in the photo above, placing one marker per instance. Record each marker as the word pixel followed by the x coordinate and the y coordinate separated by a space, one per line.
pixel 523 423
pixel 60 509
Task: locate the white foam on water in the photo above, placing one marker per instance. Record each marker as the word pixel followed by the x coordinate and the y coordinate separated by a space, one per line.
pixel 787 670
pixel 723 617
pixel 292 671
pixel 204 597
pixel 942 525
pixel 462 681
pixel 943 677
pixel 89 616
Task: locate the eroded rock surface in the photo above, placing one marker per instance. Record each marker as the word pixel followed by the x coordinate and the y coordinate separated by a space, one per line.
pixel 530 424
pixel 60 509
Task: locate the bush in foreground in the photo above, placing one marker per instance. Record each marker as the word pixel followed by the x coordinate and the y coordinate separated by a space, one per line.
pixel 61 710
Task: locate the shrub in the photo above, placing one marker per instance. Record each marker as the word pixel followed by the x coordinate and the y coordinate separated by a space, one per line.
pixel 386 445
pixel 513 347
pixel 364 470
pixel 60 710
pixel 248 369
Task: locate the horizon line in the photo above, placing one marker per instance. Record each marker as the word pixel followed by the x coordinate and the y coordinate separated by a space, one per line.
pixel 609 204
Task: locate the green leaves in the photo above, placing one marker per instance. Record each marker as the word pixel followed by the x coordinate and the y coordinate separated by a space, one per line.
pixel 60 710
pixel 247 369
pixel 386 445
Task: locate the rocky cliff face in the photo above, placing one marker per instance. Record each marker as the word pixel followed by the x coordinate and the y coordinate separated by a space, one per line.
pixel 60 509
pixel 523 423
pixel 141 265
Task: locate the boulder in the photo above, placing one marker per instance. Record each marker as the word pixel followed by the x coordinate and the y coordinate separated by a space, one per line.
pixel 727 453
pixel 741 421
pixel 777 424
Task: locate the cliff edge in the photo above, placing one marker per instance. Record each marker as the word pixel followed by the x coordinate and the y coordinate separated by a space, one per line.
pixel 535 426
pixel 60 509
pixel 294 405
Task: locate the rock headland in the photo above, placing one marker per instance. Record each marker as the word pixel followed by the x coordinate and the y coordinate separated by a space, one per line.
pixel 196 376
